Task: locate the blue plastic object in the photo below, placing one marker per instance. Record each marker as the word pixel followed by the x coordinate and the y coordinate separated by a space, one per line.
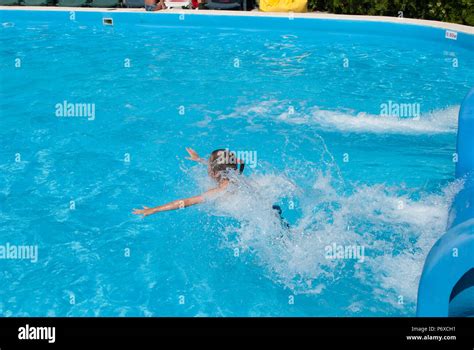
pixel 447 283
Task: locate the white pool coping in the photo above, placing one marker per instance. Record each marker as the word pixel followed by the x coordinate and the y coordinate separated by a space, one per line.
pixel 316 15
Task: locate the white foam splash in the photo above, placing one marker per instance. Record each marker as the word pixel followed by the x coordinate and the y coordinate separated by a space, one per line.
pixel 435 122
pixel 440 121
pixel 395 228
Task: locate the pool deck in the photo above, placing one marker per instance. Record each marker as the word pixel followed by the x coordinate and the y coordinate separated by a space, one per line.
pixel 316 15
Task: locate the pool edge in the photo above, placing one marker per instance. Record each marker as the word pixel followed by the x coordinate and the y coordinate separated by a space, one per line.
pixel 310 15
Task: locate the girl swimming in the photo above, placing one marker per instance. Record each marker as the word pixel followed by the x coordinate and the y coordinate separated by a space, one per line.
pixel 219 164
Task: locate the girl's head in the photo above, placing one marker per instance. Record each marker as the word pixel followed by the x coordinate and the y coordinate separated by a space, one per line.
pixel 221 161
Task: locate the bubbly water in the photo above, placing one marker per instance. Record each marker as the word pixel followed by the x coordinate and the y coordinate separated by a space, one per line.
pixel 307 104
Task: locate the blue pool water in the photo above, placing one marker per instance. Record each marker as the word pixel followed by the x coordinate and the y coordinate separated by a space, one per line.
pixel 343 173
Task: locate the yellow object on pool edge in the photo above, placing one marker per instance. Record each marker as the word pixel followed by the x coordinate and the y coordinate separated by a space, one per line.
pixel 283 5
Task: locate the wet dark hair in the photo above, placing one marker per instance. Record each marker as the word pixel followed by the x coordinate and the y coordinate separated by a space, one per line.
pixel 221 161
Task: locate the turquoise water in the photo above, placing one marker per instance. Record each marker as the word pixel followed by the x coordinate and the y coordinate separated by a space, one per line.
pixel 343 173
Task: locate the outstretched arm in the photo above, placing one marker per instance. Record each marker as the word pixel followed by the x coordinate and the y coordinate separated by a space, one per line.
pixel 177 204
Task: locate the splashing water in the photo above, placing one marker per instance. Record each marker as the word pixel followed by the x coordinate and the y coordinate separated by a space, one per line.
pixel 394 226
pixel 439 121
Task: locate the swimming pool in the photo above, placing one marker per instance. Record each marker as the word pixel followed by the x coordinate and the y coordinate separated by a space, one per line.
pixel 313 101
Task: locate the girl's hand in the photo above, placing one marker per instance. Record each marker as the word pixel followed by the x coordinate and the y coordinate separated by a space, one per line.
pixel 193 155
pixel 145 211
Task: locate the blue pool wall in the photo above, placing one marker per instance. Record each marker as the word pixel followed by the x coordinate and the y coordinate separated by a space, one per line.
pixel 187 19
pixel 447 283
pixel 463 208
